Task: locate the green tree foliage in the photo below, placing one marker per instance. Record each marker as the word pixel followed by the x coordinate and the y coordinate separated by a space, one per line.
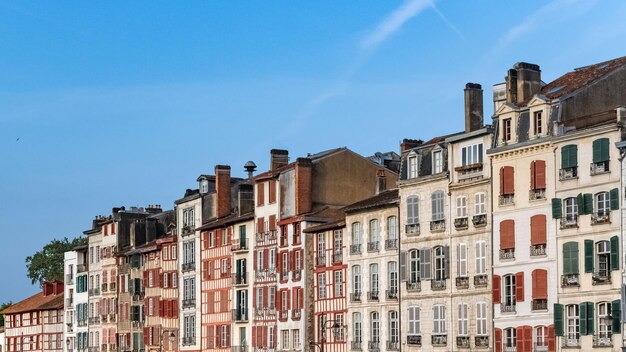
pixel 47 264
pixel 3 306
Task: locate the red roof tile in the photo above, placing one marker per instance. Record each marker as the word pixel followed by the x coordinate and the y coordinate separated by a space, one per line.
pixel 36 302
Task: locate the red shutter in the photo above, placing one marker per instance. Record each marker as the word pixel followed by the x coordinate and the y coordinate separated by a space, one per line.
pixel 519 286
pixel 501 180
pixel 279 265
pixel 496 289
pixel 528 339
pixel 175 309
pixel 507 234
pixel 265 294
pixel 301 298
pixel 227 336
pixel 507 180
pixel 520 341
pixel 272 222
pixel 254 339
pixel 551 339
pixel 272 190
pixel 292 260
pixel 145 278
pixel 540 284
pixel 146 336
pixel 540 174
pixel 161 308
pixel 260 190
pixel 266 255
pixel 259 225
pixel 533 174
pixel 538 229
pixel 498 340
pixel 288 299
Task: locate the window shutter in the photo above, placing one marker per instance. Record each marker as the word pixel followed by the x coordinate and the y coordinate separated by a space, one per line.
pixel 557 208
pixel 538 180
pixel 616 312
pixel 507 234
pixel 519 286
pixel 538 229
pixel 498 340
pixel 588 203
pixel 260 190
pixel 508 182
pixel 501 180
pixel 615 253
pixel 580 202
pixel 551 339
pixel 458 260
pixel 446 254
pixel 582 310
pixel 520 340
pixel 614 194
pixel 146 336
pixel 590 316
pixel 403 266
pixel 570 258
pixel 266 262
pixel 259 225
pixel 558 319
pixel 528 339
pixel 588 256
pixel 601 150
pixel 569 156
pixel 533 184
pixel 425 269
pixel 272 222
pixel 496 289
pixel 540 284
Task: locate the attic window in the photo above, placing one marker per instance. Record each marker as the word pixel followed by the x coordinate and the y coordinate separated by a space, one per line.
pixel 506 130
pixel 555 89
pixel 437 162
pixel 412 166
pixel 204 186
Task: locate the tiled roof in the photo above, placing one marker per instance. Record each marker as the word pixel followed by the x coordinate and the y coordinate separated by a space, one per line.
pixel 580 77
pixel 327 226
pixel 227 220
pixel 382 199
pixel 36 302
pixel 438 139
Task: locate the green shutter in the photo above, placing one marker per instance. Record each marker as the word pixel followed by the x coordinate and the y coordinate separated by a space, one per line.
pixel 589 318
pixel 582 311
pixel 569 156
pixel 614 193
pixel 588 203
pixel 570 258
pixel 588 256
pixel 557 208
pixel 614 253
pixel 580 203
pixel 616 313
pixel 601 150
pixel 558 319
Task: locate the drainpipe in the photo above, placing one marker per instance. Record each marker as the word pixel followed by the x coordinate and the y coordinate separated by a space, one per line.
pixel 493 196
pixel 450 248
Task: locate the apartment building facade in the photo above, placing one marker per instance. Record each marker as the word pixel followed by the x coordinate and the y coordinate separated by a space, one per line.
pixel 94 244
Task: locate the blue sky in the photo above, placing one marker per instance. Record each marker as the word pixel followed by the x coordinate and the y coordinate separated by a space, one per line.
pixel 125 103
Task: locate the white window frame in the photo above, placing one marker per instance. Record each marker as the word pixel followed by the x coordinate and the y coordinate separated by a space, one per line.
pixel 437 199
pixel 412 166
pixel 338 283
pixel 463 319
pixel 357 285
pixel 321 285
pixel 374 278
pixel 414 320
pixel 412 208
pixel 437 161
pixel 461 207
pixel 462 258
pixel 439 319
pixel 481 319
pixel 392 228
pixel 374 231
pixel 357 238
pixel 481 257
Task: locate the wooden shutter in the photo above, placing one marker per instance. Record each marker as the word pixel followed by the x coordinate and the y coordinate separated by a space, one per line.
pixel 146 336
pixel 260 191
pixel 557 208
pixel 601 150
pixel 519 286
pixel 403 266
pixel 519 341
pixel 616 312
pixel 507 234
pixel 615 253
pixel 588 256
pixel 590 318
pixel 496 289
pixel 498 340
pixel 614 195
pixel 569 156
pixel 507 180
pixel 272 222
pixel 540 174
pixel 587 203
pixel 582 311
pixel 540 284
pixel 538 229
pixel 260 225
pixel 570 258
pixel 272 190
pixel 558 319
pixel 501 180
pixel 551 339
pixel 446 255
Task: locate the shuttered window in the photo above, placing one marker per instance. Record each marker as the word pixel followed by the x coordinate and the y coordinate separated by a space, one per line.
pixel 538 229
pixel 481 258
pixel 570 258
pixel 538 175
pixel 558 319
pixel 507 234
pixel 272 190
pixel 519 286
pixel 425 263
pixel 496 293
pixel 615 253
pixel 569 156
pixel 540 284
pixel 412 210
pixel 507 180
pixel 260 193
pixel 524 339
pixel 437 206
pixel 601 150
pixel 462 260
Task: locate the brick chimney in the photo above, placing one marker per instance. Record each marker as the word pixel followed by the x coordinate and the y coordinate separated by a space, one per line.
pixel 409 144
pixel 473 107
pixel 222 190
pixel 278 158
pixel 522 82
pixel 303 181
pixel 381 181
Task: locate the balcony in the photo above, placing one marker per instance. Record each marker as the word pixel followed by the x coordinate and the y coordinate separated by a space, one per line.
pixel 412 229
pixel 81 268
pixel 437 225
pixel 296 274
pixel 260 238
pixel 510 349
pixel 81 323
pixel 539 304
pixel 462 342
pixel 138 296
pixel 603 340
pixel 242 348
pixel 137 324
pixel 599 168
pixel 284 276
pixel 414 286
pixel 239 245
pixel 187 230
pixel 601 218
pixel 537 194
pixel 392 294
pixel 570 280
pixel 104 348
pixel 189 303
pixel 538 250
pixel 507 308
pixel 94 320
pixel 240 315
pixel 462 282
pixel 265 275
pixel 373 346
pixel 69 279
pixel 569 221
pixel 481 280
pixel 391 244
pixel 240 279
pixel 601 278
pixel 437 285
pixel 189 340
pixel 355 297
pixel 570 341
pixel 355 249
pixel 355 346
pixel 105 287
pixel 568 173
pixel 94 349
pixel 506 199
pixel 373 246
pixel 337 258
pixel 283 315
pixel 469 172
pixel 414 340
pixel 393 345
pixel 265 313
pixel 296 314
pixel 479 220
pixel 481 341
pixel 112 318
pixel 94 292
pixel 188 267
pixel 372 296
pixel 507 254
pixel 320 260
pixel 104 318
pixel 540 347
pixel 439 340
pixel 461 223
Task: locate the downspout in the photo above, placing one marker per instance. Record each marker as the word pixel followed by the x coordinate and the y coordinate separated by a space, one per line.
pixel 621 235
pixel 451 157
pixel 399 278
pixel 493 310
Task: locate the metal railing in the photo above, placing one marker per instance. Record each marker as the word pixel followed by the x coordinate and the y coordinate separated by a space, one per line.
pixel 599 168
pixel 603 217
pixel 355 249
pixel 539 304
pixel 373 346
pixel 296 314
pixel 570 341
pixel 507 308
pixel 437 225
pixel 284 275
pixel 69 279
pixel 355 345
pixel 414 340
pixel 373 246
pixel 437 285
pixel 414 286
pixel 239 245
pixel 462 282
pixel 412 229
pixel 188 266
pixel 570 280
pixel 462 342
pixel 320 260
pixel 481 341
pixel 461 223
pixel 506 199
pixel 603 339
pixel 189 340
pixel 439 340
pixel 242 348
pixel 537 250
pixel 601 278
pixel 569 221
pixel 240 315
pixel 568 173
pixel 391 244
pixel 355 297
pixel 337 257
pixel 296 274
pixel 189 303
pixel 81 268
pixel 372 296
pixel 479 220
pixel 240 278
pixel 481 280
pixel 507 254
pixel 392 293
pixel 393 345
pixel 536 194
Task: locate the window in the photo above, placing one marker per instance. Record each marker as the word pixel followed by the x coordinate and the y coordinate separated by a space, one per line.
pixel 189 326
pixel 479 204
pixel 481 258
pixel 603 203
pixel 601 156
pixel 461 207
pixel 437 206
pixel 571 209
pixel 573 327
pixel 481 319
pixel 189 288
pixel 188 218
pixel 412 166
pixel 259 298
pixel 439 313
pixel 296 338
pixel 412 210
pixel 338 242
pixel 537 122
pixel 321 245
pixel 356 280
pixel 358 327
pixel 472 154
pixel 374 277
pixel 414 321
pixel 285 338
pixel 541 336
pixel 271 297
pixel 510 338
pixel 339 321
pixel 260 265
pixel 394 327
pixel 462 260
pixel 441 256
pixel 506 130
pixel 463 322
pixel 437 162
pixel 189 252
pixel 414 264
pixel 338 283
pixel 392 275
pixel 603 258
pixel 321 285
pixel 604 320
pixel 392 228
pixel 569 161
pixel 374 231
pixel 356 233
pixel 271 260
pixel 570 258
pixel 509 290
pixel 375 327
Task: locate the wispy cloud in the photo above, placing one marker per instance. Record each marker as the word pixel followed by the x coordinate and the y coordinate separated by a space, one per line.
pixel 445 20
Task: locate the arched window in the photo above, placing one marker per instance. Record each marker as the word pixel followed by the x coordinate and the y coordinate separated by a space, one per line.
pixel 357 327
pixel 412 210
pixel 374 280
pixel 541 337
pixel 392 229
pixel 603 256
pixel 414 266
pixel 356 282
pixel 604 320
pixel 510 338
pixel 374 231
pixel 375 327
pixel 394 329
pixel 603 204
pixel 439 314
pixel 356 233
pixel 440 262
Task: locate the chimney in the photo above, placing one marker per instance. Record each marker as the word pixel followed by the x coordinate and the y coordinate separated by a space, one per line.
pixel 222 190
pixel 278 158
pixel 409 144
pixel 250 167
pixel 522 82
pixel 381 181
pixel 304 197
pixel 47 289
pixel 153 209
pixel 473 107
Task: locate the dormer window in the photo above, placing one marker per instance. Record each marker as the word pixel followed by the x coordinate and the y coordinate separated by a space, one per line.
pixel 506 130
pixel 437 162
pixel 538 122
pixel 412 166
pixel 204 186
